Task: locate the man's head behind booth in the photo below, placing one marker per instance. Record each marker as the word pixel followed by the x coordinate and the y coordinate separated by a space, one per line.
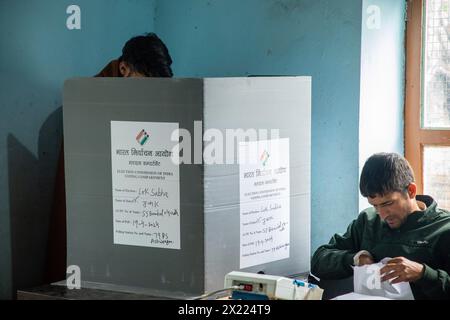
pixel 142 56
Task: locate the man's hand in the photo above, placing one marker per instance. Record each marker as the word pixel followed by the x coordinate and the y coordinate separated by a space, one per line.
pixel 362 257
pixel 402 270
pixel 365 259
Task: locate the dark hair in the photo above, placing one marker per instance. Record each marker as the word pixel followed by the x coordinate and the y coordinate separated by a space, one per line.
pixel 147 55
pixel 384 173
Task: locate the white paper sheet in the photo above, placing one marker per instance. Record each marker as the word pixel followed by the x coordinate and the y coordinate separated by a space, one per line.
pixel 264 201
pixel 146 184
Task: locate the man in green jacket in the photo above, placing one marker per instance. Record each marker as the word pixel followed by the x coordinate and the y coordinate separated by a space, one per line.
pixel 406 227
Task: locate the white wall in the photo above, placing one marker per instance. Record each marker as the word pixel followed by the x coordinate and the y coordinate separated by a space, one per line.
pixel 382 80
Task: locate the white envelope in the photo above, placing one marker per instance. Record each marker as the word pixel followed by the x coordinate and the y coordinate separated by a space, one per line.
pixel 366 281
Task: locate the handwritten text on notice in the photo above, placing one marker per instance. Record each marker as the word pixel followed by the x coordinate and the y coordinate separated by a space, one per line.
pixel 264 201
pixel 146 185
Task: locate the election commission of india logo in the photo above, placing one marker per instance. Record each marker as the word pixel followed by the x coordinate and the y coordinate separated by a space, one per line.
pixel 142 137
pixel 264 157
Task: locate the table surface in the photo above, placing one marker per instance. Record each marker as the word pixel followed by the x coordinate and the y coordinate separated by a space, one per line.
pixel 55 292
pixel 61 292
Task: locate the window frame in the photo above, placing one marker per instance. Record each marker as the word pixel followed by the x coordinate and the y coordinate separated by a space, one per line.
pixel 416 137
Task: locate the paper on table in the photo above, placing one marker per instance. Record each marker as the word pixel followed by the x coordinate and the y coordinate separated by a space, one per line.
pixel 366 281
pixel 359 296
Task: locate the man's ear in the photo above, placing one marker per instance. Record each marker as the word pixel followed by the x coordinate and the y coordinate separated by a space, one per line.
pixel 412 190
pixel 124 69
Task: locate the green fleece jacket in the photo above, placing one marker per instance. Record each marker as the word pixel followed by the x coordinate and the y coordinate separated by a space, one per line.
pixel 423 238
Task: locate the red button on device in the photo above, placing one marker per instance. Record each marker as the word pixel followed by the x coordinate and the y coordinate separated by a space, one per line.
pixel 248 287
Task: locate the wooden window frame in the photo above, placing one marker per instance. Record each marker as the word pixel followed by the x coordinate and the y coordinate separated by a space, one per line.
pixel 416 138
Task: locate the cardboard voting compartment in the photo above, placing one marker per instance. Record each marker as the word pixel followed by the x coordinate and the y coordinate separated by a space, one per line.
pixel 173 183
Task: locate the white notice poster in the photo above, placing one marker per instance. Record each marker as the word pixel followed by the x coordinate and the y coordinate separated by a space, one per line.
pixel 146 184
pixel 264 201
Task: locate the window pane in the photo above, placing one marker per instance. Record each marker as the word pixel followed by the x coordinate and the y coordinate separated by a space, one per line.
pixel 436 82
pixel 436 174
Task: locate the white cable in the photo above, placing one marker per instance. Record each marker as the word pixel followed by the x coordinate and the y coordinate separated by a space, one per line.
pixel 317 278
pixel 209 294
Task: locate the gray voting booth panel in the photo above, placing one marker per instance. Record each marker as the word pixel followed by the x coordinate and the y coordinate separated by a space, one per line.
pixel 209 194
pixel 282 103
